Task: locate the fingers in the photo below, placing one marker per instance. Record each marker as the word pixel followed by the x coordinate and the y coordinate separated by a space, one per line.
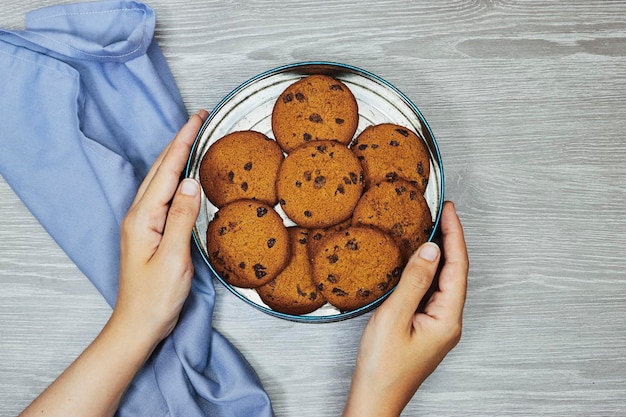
pixel 181 218
pixel 415 281
pixel 166 170
pixel 449 300
pixel 453 275
pixel 146 181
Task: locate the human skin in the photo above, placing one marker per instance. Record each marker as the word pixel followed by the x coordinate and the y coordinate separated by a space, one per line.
pixel 155 279
pixel 401 345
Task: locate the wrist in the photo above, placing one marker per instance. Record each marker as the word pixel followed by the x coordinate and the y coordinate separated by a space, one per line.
pixel 371 396
pixel 136 341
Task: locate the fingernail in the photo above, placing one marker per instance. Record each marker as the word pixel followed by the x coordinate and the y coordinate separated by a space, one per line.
pixel 189 187
pixel 429 252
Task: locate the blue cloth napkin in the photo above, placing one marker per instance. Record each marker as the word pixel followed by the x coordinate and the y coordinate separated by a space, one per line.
pixel 87 102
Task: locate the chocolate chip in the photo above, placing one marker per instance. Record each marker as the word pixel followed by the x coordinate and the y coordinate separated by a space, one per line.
pixel 352 245
pixel 244 186
pixel 339 121
pixel 413 195
pixel 332 258
pixel 340 190
pixel 403 132
pixel 282 202
pixel 321 148
pixel 397 230
pixel 287 98
pixel 298 184
pixel 271 242
pixel 360 157
pixel 397 271
pixel 374 146
pixel 248 166
pixel 362 293
pixel 319 182
pixel 231 176
pixel 217 258
pixel 347 181
pixel 307 137
pixel 300 97
pixel 315 118
pixel 307 213
pixel 362 147
pixel 303 241
pixel 391 176
pixel 394 143
pixel 420 168
pixel 339 292
pixel 336 87
pixel 222 231
pixel 382 286
pixel 259 271
pixel 317 236
pixel 354 178
pixel 300 292
pixel 307 175
pixel 242 265
pixel 261 211
pixel 331 278
pixel 313 296
pixel 400 190
pixel 320 286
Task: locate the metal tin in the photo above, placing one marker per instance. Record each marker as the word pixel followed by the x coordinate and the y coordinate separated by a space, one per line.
pixel 249 107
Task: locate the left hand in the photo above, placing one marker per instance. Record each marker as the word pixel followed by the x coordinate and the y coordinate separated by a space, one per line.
pixel 155 279
pixel 155 266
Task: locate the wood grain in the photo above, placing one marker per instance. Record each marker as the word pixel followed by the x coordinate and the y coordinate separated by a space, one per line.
pixel 527 100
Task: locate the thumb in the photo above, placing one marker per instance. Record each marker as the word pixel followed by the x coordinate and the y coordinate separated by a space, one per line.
pixel 415 281
pixel 181 217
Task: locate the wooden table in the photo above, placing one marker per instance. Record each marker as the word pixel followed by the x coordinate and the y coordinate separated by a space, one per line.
pixel 527 100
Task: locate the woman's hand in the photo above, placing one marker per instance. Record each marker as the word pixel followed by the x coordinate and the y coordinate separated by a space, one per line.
pixel 402 346
pixel 155 265
pixel 155 278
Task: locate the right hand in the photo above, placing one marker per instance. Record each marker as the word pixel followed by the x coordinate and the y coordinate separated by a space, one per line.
pixel 402 346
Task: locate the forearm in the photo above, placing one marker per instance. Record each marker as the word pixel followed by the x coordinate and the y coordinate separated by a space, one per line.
pixel 94 383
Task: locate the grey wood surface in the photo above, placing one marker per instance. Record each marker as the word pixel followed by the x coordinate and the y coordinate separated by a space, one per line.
pixel 527 100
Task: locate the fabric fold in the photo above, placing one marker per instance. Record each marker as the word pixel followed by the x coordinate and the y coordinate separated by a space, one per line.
pixel 87 104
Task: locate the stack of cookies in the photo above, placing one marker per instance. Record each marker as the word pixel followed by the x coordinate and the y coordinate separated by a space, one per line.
pixel 357 203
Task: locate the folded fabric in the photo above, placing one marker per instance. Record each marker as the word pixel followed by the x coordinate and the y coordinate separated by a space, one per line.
pixel 87 103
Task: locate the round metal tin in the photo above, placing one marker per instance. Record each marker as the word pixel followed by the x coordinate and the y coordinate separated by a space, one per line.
pixel 249 107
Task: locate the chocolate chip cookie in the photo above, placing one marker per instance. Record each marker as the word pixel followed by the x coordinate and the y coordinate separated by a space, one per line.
pixel 293 290
pixel 388 151
pixel 247 243
pixel 242 164
pixel 319 183
pixel 356 266
pixel 317 107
